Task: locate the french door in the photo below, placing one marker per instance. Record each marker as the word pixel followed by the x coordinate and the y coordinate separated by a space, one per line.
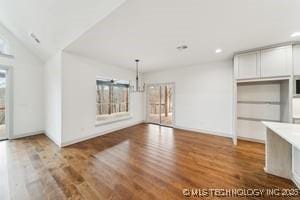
pixel 160 104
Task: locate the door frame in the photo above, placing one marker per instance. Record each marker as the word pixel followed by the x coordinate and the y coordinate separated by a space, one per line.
pixel 173 102
pixel 8 103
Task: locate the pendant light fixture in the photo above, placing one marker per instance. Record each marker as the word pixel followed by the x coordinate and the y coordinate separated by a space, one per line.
pixel 137 88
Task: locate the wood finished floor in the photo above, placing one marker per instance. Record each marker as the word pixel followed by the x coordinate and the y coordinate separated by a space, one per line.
pixel 140 162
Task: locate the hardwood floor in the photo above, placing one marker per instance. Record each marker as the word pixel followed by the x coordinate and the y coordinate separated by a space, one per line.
pixel 140 162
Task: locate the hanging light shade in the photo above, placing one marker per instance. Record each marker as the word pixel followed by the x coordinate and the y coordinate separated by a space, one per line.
pixel 137 87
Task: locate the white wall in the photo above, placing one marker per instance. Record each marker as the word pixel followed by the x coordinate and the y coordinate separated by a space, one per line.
pixel 28 85
pixel 203 96
pixel 79 98
pixel 53 98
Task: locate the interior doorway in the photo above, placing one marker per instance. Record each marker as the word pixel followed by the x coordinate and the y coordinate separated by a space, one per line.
pixel 3 104
pixel 160 104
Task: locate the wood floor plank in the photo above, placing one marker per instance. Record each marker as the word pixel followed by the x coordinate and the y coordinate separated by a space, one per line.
pixel 140 162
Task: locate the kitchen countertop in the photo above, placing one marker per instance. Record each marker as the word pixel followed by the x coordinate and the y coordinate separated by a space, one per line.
pixel 289 132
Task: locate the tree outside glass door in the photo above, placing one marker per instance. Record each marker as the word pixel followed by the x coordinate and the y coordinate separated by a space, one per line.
pixel 160 108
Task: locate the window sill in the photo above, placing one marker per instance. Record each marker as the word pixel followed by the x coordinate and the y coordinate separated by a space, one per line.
pixel 6 55
pixel 111 121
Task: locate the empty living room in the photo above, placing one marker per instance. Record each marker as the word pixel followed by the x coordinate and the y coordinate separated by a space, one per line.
pixel 149 99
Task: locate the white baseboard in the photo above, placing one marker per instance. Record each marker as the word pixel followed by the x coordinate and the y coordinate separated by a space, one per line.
pixel 27 134
pixel 251 139
pixel 276 173
pixel 208 132
pixel 64 144
pixel 296 180
pixel 58 143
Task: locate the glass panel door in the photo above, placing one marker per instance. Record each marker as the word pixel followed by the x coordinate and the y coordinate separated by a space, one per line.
pixel 154 104
pixel 3 134
pixel 160 104
pixel 166 104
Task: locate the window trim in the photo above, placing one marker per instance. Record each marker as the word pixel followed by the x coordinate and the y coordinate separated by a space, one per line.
pixel 7 46
pixel 128 116
pixel 113 120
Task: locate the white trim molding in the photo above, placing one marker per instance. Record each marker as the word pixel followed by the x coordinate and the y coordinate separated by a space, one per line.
pixel 64 144
pixel 296 179
pixel 251 139
pixel 6 55
pixel 27 134
pixel 58 143
pixel 207 132
pixel 113 120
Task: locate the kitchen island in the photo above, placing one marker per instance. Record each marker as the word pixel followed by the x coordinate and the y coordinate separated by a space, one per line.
pixel 283 150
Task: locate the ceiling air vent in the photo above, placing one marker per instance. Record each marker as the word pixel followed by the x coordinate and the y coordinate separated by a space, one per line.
pixel 35 38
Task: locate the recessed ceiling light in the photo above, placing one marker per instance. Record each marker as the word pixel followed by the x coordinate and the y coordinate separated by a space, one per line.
pixel 219 50
pixel 182 47
pixel 295 34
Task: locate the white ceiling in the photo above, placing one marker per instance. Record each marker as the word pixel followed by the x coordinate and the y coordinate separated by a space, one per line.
pixel 56 23
pixel 152 29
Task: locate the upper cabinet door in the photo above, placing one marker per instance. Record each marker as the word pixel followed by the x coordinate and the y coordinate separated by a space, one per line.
pixel 277 61
pixel 247 65
pixel 296 56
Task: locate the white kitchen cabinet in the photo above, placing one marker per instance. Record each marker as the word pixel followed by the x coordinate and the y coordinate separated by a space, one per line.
pixel 296 56
pixel 277 61
pixel 247 65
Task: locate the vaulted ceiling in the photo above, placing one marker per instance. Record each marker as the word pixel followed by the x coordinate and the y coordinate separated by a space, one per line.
pixel 152 29
pixel 118 31
pixel 56 23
